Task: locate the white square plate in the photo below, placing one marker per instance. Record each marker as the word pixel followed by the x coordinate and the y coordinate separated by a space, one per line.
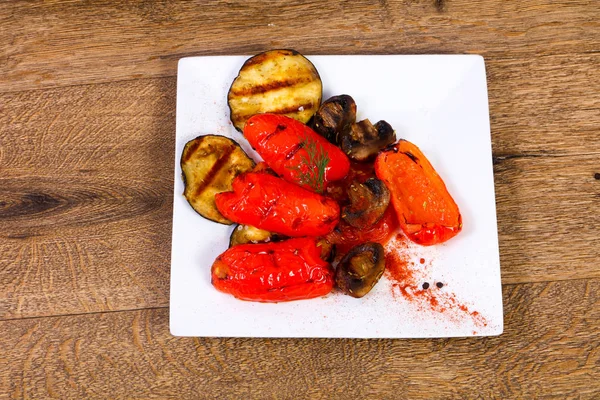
pixel 440 103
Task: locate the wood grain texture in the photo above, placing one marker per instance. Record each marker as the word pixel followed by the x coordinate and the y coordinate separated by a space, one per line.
pixel 86 186
pixel 98 245
pixel 545 105
pixel 87 122
pixel 86 199
pixel 549 350
pixel 548 220
pixel 107 41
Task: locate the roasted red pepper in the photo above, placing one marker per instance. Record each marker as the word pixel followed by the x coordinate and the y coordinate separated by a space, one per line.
pixel 345 236
pixel 272 272
pixel 296 152
pixel 270 203
pixel 426 211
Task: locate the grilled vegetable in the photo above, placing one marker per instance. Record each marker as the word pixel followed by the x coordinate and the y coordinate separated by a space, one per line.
pixel 268 202
pixel 296 152
pixel 327 249
pixel 243 234
pixel 278 82
pixel 345 236
pixel 335 117
pixel 263 167
pixel 364 140
pixel 209 164
pixel 360 269
pixel 426 211
pixel 272 272
pixel 369 200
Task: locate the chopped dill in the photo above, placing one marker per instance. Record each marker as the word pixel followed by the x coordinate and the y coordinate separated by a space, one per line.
pixel 311 169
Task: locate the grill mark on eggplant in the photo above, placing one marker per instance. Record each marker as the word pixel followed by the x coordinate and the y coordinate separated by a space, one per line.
pixel 291 109
pixel 285 110
pixel 270 86
pixel 257 59
pixel 220 163
pixel 277 78
pixel 190 150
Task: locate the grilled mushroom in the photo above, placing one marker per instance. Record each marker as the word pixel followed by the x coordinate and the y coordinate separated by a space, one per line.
pixel 335 117
pixel 364 140
pixel 368 202
pixel 360 269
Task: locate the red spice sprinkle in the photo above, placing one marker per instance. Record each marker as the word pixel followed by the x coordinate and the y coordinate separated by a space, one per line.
pixel 405 280
pixel 422 261
pixel 433 301
pixel 397 266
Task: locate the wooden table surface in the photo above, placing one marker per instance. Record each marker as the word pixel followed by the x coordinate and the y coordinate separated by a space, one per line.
pixel 87 127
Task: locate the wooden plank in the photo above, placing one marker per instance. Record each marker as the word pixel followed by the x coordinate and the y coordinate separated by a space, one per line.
pixel 100 244
pixel 86 181
pixel 545 105
pixel 549 350
pixel 75 244
pixel 548 222
pixel 127 128
pixel 130 125
pixel 57 43
pixel 86 198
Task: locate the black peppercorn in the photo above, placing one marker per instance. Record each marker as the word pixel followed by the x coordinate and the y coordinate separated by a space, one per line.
pixel 439 284
pixel 426 285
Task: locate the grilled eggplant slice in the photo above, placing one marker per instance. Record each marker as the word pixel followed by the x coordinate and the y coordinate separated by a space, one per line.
pixel 243 234
pixel 209 163
pixel 277 82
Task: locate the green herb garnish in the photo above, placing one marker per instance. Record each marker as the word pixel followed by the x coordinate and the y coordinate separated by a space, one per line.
pixel 311 170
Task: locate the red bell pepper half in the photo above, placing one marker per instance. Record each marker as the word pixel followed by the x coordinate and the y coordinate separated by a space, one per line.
pixel 273 272
pixel 296 152
pixel 427 213
pixel 270 203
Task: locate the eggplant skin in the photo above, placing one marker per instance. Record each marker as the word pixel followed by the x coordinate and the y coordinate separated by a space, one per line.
pixel 209 164
pixel 244 234
pixel 277 82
